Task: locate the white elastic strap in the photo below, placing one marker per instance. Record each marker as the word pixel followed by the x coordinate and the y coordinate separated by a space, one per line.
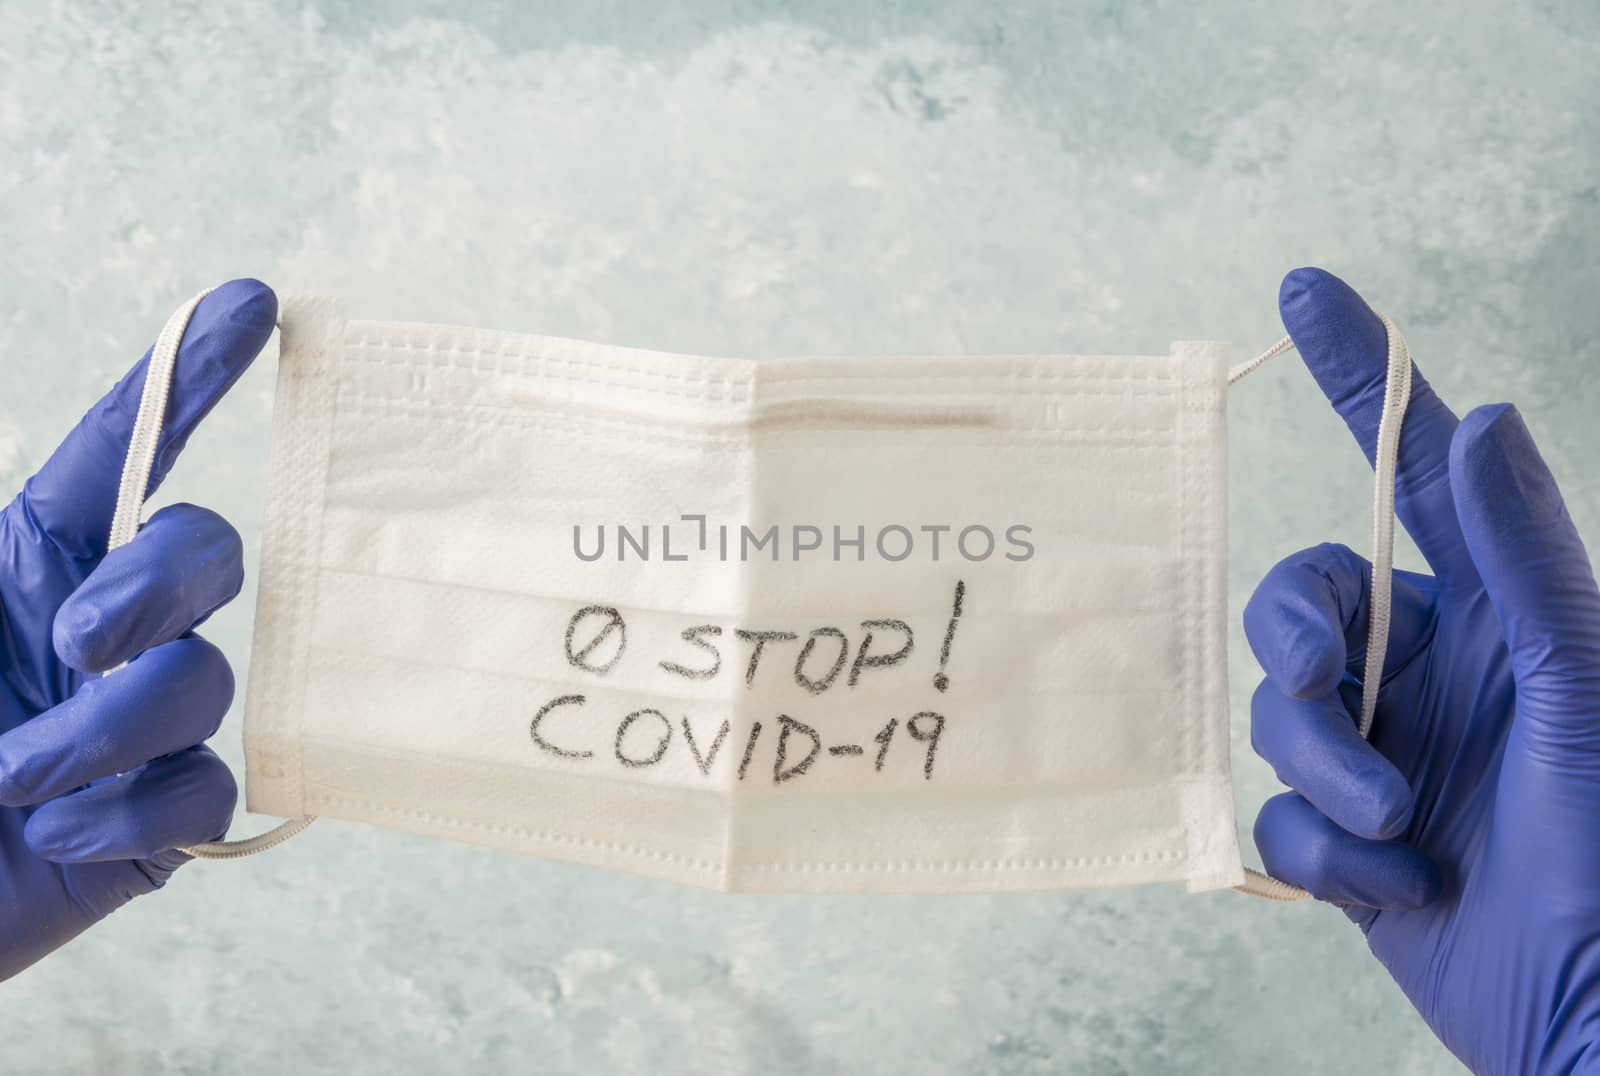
pixel 136 468
pixel 1396 395
pixel 1239 372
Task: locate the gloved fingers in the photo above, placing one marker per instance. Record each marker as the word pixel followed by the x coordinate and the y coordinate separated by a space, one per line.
pixel 1345 346
pixel 1315 749
pixel 74 494
pixel 184 563
pixel 1536 572
pixel 1301 846
pixel 1308 618
pixel 168 698
pixel 101 888
pixel 171 802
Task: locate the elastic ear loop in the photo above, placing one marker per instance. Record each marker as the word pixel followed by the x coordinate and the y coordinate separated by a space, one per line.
pixel 136 468
pixel 1396 395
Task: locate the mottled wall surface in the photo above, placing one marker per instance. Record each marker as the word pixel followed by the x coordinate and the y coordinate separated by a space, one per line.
pixel 769 177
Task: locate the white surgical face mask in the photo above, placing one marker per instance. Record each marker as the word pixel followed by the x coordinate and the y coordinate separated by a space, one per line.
pixel 892 624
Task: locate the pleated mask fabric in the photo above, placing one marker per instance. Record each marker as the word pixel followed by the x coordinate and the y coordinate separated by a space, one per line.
pixel 842 624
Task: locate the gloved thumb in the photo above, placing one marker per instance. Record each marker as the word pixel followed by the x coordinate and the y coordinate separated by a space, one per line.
pixel 1536 572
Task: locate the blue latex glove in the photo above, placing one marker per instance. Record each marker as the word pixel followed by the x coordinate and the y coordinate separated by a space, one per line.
pixel 101 779
pixel 1463 838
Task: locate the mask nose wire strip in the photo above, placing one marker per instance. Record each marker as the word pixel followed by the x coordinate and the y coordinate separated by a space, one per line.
pixel 1396 395
pixel 136 468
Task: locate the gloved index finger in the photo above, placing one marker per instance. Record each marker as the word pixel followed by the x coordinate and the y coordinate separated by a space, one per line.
pixel 73 496
pixel 1345 346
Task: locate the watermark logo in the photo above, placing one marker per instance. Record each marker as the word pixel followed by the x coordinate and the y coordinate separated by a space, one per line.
pixel 694 537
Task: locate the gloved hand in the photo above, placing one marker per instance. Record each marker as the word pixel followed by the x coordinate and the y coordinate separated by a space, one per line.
pixel 101 780
pixel 1463 838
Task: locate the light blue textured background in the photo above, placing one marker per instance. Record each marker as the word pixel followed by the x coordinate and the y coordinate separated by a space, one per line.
pixel 769 177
